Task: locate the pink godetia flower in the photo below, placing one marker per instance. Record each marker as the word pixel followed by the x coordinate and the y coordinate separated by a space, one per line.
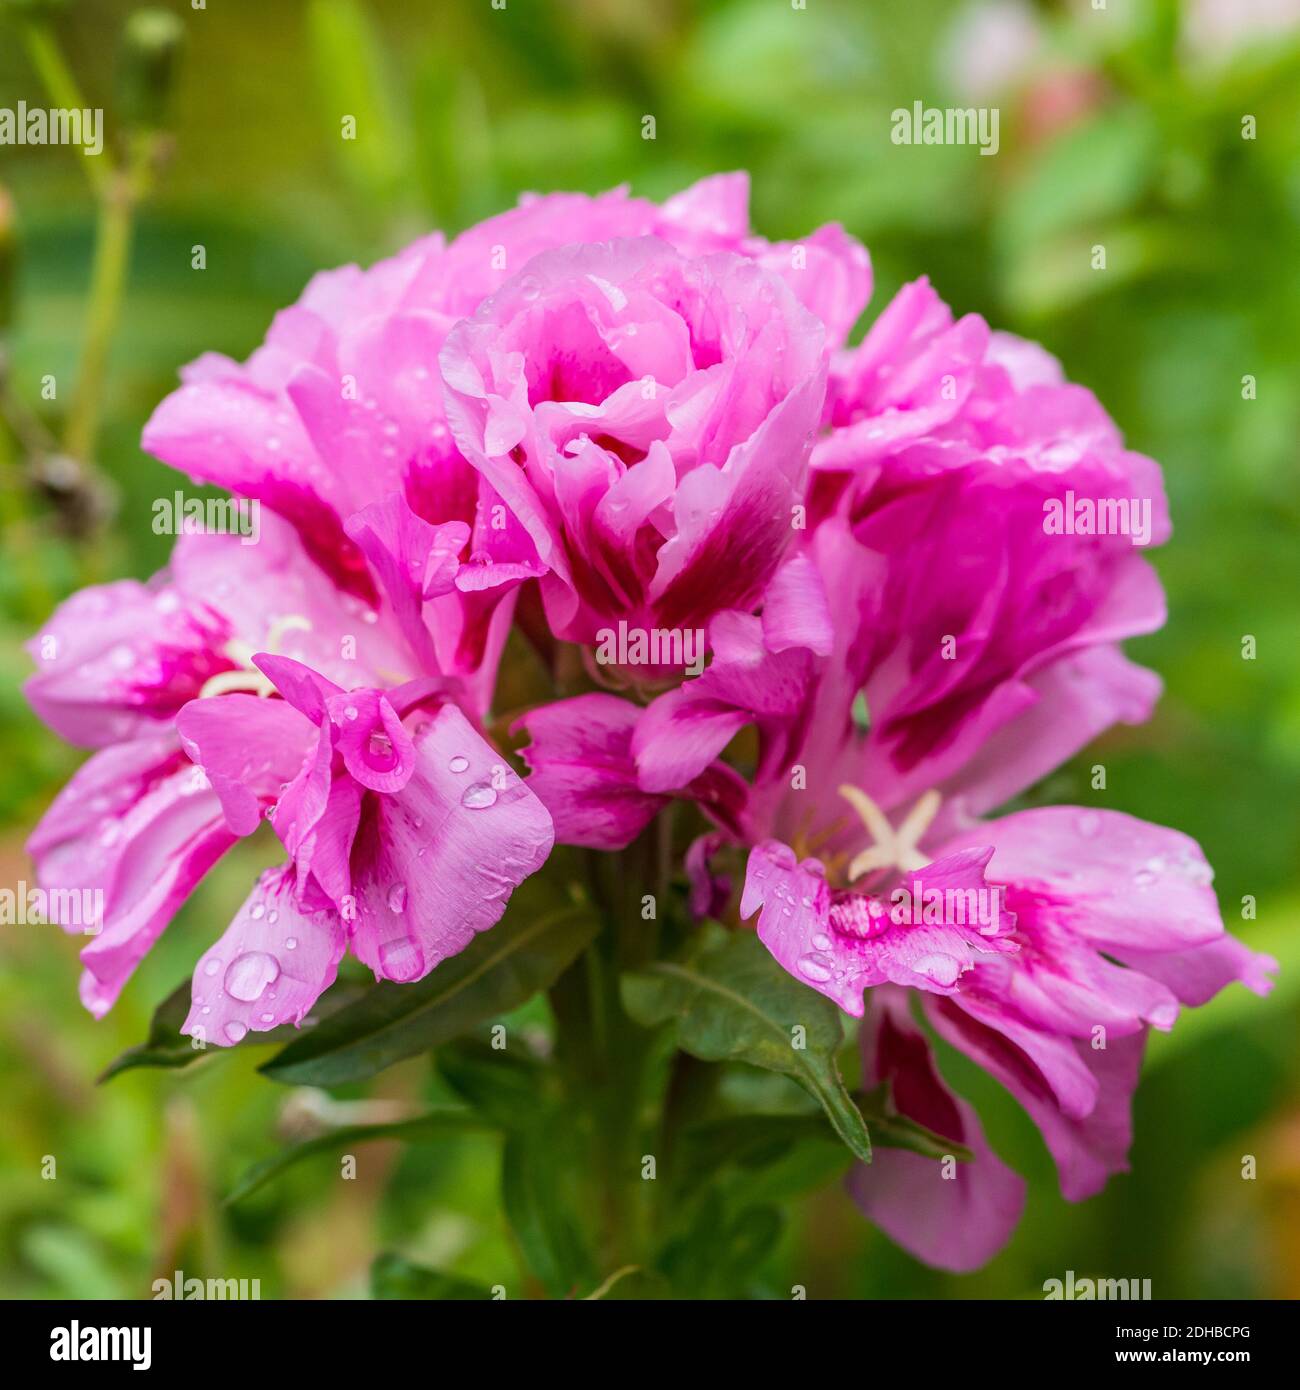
pixel 1043 945
pixel 406 834
pixel 987 529
pixel 121 669
pixel 977 528
pixel 342 407
pixel 388 557
pixel 647 418
pixel 115 665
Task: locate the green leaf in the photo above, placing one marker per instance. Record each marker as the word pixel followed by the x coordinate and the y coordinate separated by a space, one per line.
pixel 502 1085
pixel 716 1255
pixel 354 78
pixel 435 1122
pixel 391 1276
pixel 167 1047
pixel 537 1191
pixel 498 971
pixel 735 1003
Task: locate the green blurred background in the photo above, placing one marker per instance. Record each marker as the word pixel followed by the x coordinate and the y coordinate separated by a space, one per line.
pixel 1120 127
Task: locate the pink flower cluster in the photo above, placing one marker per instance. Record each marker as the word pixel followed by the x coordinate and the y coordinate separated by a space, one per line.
pixel 599 414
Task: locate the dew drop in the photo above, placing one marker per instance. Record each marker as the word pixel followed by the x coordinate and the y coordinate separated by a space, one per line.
pixel 402 959
pixel 942 969
pixel 397 898
pixel 291 944
pixel 212 967
pixel 480 796
pixel 458 764
pixel 235 1032
pixel 816 967
pixel 250 974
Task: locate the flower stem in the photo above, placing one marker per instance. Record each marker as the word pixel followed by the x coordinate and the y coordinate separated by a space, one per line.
pixel 107 283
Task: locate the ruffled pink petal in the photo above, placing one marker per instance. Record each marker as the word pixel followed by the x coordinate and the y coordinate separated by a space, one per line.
pixel 683 731
pixel 1197 974
pixel 841 943
pixel 954 1216
pixel 269 966
pixel 436 862
pixel 584 772
pixel 1114 880
pixel 231 433
pixel 1078 1096
pixel 375 748
pixel 118 660
pixel 139 825
pixel 413 560
pixel 796 611
pixel 249 748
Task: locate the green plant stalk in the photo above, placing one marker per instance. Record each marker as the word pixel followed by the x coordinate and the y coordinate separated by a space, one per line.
pixel 604 1056
pixel 15 523
pixel 56 76
pixel 107 283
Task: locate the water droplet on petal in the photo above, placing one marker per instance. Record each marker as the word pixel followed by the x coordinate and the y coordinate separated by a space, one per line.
pixel 257 911
pixel 942 969
pixel 291 944
pixel 212 966
pixel 1088 824
pixel 250 974
pixel 402 959
pixel 458 764
pixel 397 898
pixel 816 967
pixel 479 796
pixel 235 1032
pixel 822 942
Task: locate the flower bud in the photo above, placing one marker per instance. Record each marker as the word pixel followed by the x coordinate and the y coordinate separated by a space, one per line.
pixel 151 43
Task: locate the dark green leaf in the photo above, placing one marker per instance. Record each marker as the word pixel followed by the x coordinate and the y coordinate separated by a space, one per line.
pixel 167 1047
pixel 735 1003
pixel 393 1277
pixel 540 1203
pixel 435 1122
pixel 505 1086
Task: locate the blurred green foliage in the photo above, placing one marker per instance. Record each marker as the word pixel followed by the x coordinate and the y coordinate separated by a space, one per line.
pixel 1118 129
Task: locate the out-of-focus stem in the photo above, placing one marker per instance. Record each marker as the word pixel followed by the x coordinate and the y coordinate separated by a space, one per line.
pixel 107 282
pixel 51 67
